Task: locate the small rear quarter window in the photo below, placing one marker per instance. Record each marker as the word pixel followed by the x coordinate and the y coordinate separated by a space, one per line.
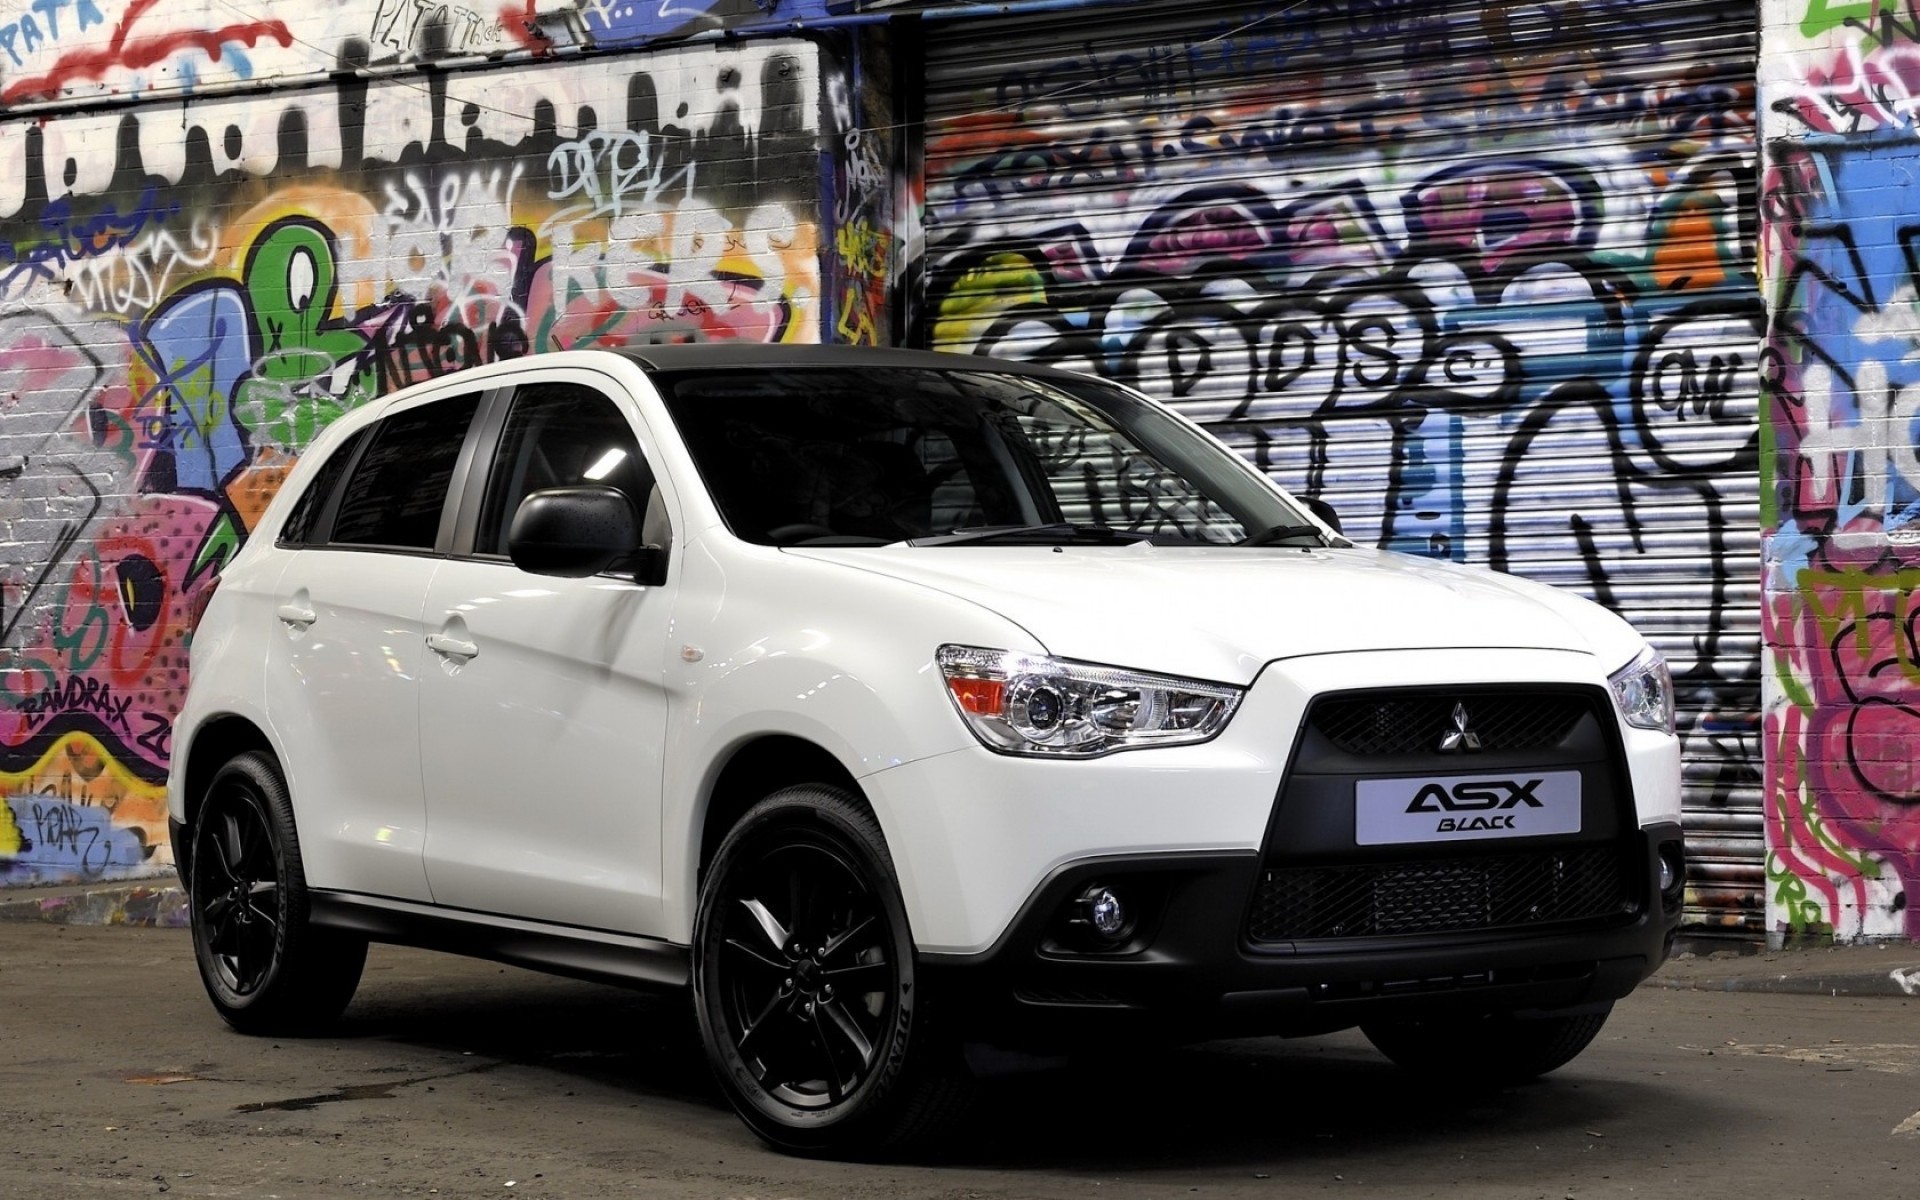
pixel 302 526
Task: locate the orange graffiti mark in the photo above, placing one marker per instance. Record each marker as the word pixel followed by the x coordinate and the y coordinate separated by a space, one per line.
pixel 1689 255
pixel 126 52
pixel 254 488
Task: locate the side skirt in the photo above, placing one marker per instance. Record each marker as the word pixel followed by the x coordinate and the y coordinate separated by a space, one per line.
pixel 593 954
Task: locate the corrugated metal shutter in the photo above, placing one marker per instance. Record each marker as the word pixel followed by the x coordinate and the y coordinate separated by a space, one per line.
pixel 1477 273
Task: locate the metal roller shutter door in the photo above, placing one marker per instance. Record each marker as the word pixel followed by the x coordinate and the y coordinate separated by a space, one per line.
pixel 1479 274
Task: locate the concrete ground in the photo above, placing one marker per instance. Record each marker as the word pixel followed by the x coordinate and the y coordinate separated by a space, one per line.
pixel 1788 1075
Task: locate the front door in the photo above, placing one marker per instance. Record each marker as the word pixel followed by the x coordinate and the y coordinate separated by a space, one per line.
pixel 542 700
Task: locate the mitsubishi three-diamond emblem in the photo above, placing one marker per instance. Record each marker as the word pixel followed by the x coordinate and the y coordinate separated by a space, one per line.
pixel 1459 738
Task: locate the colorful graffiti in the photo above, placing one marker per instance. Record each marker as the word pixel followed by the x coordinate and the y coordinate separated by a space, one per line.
pixel 1841 272
pixel 1502 313
pixel 182 317
pixel 61 53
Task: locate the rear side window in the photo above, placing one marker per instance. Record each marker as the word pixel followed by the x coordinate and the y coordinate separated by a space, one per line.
pixel 399 486
pixel 302 523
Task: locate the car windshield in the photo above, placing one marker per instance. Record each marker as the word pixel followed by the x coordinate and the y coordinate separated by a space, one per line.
pixel 880 455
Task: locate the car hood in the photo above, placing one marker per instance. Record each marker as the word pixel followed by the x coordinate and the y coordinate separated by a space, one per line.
pixel 1223 612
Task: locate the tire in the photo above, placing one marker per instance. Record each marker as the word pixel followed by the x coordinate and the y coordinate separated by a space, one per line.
pixel 1490 1050
pixel 806 987
pixel 266 967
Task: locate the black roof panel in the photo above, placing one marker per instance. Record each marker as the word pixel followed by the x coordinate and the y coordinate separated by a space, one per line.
pixel 720 355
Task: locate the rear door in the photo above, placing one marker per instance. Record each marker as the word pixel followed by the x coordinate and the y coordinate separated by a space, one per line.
pixel 346 655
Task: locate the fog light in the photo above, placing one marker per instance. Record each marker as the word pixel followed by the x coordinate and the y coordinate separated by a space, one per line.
pixel 1104 912
pixel 1673 872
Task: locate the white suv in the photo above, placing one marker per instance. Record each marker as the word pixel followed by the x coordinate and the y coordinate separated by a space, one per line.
pixel 914 711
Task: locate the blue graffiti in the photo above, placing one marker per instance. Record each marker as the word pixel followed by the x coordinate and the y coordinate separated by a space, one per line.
pixel 196 347
pixel 31 33
pixel 641 19
pixel 1854 278
pixel 68 237
pixel 67 843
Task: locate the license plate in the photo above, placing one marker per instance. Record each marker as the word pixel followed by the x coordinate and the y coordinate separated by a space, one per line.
pixel 1464 808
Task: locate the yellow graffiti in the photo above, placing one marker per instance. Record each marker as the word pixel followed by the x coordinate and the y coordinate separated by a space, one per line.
pixel 77 769
pixel 1838 599
pixel 979 297
pixel 863 250
pixel 856 326
pixel 11 838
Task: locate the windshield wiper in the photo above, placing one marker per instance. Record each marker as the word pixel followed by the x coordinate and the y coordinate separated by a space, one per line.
pixel 1273 535
pixel 1051 532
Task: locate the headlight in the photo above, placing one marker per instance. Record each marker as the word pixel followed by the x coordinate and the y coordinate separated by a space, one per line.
pixel 1644 691
pixel 1032 704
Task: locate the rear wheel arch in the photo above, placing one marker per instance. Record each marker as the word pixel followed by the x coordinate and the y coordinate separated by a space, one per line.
pixel 215 743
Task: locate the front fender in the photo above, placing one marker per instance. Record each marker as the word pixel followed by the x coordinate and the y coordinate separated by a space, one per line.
pixel 787 646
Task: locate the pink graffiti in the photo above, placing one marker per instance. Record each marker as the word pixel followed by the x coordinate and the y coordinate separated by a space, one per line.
pixel 1859 90
pixel 1499 215
pixel 1858 666
pixel 651 307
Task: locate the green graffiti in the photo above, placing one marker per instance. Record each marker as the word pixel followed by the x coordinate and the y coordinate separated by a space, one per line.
pixel 1804 914
pixel 114 433
pixel 221 543
pixel 307 368
pixel 1865 867
pixel 84 643
pixel 1825 16
pixel 1796 694
pixel 24 680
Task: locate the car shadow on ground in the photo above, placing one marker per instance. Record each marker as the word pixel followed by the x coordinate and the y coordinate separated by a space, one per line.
pixel 1135 1108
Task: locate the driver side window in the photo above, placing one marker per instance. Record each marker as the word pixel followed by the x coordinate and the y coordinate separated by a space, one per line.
pixel 557 435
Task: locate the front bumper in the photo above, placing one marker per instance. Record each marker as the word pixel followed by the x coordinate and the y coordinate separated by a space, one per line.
pixel 1188 971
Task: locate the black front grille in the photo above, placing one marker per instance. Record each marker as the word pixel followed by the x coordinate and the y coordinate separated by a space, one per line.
pixel 1441 895
pixel 1415 724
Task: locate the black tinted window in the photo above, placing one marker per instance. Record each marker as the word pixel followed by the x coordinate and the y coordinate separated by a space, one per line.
pixel 400 484
pixel 299 529
pixel 881 454
pixel 559 434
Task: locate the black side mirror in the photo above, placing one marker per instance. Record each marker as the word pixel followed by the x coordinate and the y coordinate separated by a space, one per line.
pixel 574 532
pixel 1320 508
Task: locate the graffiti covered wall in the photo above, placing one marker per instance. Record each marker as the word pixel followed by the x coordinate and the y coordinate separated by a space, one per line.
pixel 1479 274
pixel 1841 274
pixel 190 291
pixel 56 53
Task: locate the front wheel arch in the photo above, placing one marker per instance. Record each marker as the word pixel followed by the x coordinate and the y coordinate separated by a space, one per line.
pixel 756 770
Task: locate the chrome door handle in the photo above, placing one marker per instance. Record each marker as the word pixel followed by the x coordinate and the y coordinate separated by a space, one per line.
pixel 450 646
pixel 296 616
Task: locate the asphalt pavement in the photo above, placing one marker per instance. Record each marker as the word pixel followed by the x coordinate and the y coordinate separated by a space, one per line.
pixel 1705 964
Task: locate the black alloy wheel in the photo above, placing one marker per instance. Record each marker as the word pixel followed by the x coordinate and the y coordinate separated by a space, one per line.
pixel 810 992
pixel 804 979
pixel 265 966
pixel 237 890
